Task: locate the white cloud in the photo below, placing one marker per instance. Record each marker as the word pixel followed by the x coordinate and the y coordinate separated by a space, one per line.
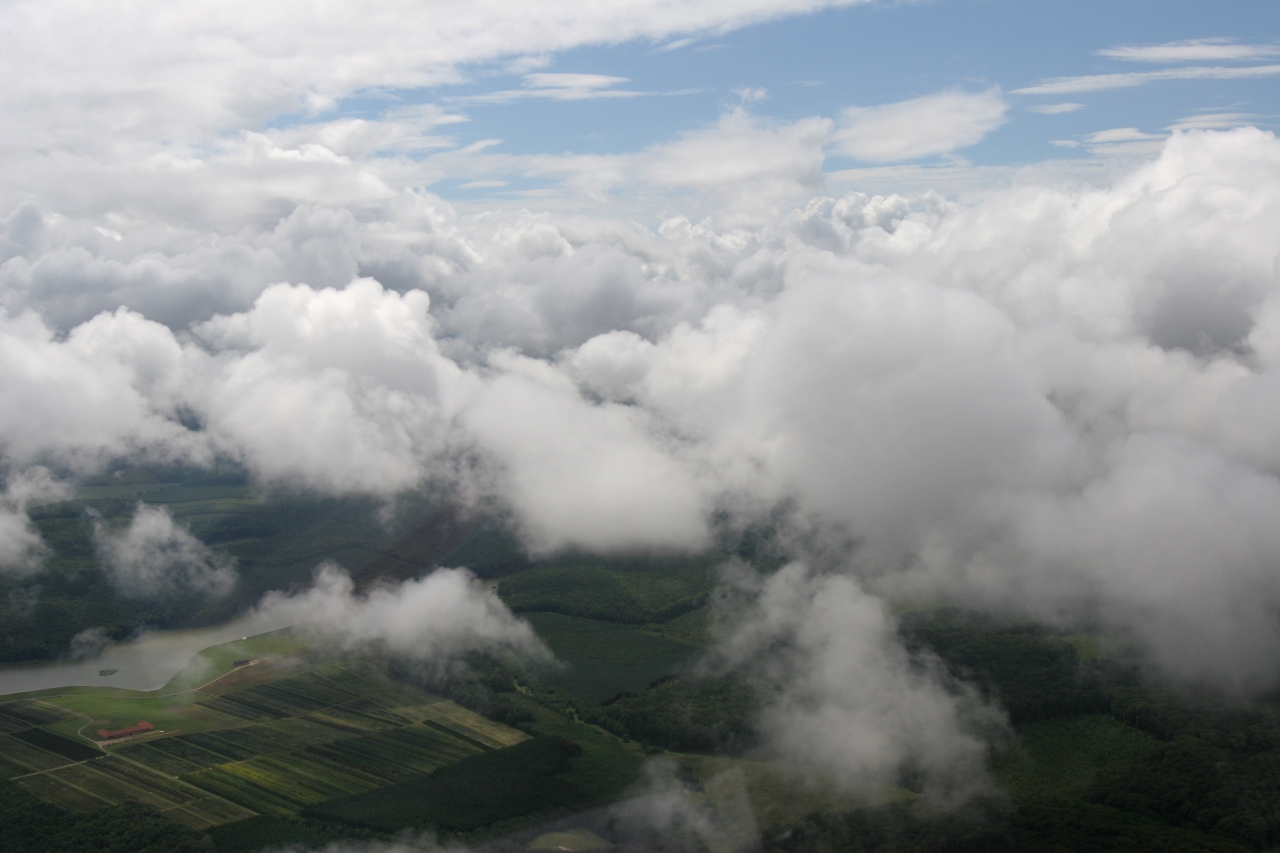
pixel 1124 80
pixel 154 557
pixel 431 619
pixel 559 87
pixel 1214 121
pixel 586 476
pixel 921 127
pixel 1055 109
pixel 221 67
pixel 1193 50
pixel 21 549
pixel 849 703
pixel 1122 134
pixel 916 373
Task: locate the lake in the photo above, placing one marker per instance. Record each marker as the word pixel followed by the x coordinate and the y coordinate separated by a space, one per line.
pixel 145 663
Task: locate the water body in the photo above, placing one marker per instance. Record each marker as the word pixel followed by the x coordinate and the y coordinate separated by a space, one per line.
pixel 145 663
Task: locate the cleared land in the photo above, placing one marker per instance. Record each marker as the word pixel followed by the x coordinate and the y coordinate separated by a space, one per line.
pixel 268 739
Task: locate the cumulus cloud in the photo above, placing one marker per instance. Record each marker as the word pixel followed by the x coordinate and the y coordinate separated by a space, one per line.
pixel 921 127
pixel 1056 399
pixel 21 548
pixel 1053 399
pixel 851 705
pixel 430 619
pixel 154 557
pixel 916 373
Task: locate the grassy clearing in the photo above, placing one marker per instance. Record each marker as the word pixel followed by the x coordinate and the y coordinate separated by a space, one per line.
pixel 572 840
pixel 166 713
pixel 776 795
pixel 605 658
pixel 217 661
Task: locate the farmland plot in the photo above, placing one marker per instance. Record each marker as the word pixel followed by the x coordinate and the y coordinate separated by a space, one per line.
pixel 268 747
pixel 29 756
pixel 34 713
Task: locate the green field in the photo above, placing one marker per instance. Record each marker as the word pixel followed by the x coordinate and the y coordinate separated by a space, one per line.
pixel 300 734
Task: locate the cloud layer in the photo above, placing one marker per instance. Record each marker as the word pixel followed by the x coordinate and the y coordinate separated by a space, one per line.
pixel 1023 401
pixel 1051 400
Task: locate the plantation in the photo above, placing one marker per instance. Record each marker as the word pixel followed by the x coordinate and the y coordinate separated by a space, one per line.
pixel 316 734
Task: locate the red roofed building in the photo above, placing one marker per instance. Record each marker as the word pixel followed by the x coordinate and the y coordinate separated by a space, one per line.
pixel 142 726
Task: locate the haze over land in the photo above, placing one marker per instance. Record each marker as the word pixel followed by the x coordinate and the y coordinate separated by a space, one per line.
pixel 1043 383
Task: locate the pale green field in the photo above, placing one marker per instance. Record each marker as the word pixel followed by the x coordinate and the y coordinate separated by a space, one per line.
pixel 573 840
pixel 173 708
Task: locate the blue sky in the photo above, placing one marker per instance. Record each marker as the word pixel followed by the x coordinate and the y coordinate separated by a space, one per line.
pixel 818 64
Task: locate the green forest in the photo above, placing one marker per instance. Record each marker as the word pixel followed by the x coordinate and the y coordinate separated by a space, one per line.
pixel 496 753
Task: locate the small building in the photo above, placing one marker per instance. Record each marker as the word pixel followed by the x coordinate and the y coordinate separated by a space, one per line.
pixel 142 726
pixel 240 663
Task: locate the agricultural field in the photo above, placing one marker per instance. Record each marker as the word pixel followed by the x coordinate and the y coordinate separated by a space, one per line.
pixel 269 739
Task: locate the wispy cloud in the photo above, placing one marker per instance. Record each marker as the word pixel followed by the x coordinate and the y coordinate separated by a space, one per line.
pixel 674 45
pixel 1214 121
pixel 921 127
pixel 559 87
pixel 1124 80
pixel 1122 134
pixel 1055 109
pixel 1193 50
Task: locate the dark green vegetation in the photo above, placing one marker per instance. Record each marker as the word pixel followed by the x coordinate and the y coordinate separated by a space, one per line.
pixel 1102 760
pixel 28 825
pixel 603 659
pixel 632 591
pixel 469 794
pixel 277 541
pixel 302 751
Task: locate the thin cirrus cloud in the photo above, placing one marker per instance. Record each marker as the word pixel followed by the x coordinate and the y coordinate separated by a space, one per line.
pixel 1055 109
pixel 1192 50
pixel 920 127
pixel 559 87
pixel 1125 80
pixel 1214 121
